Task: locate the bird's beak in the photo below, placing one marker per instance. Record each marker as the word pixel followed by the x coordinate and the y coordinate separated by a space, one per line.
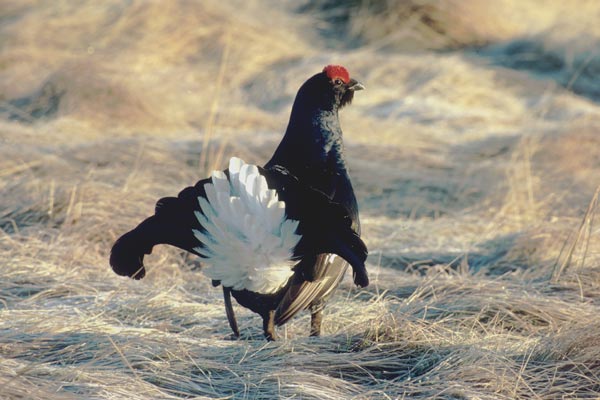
pixel 355 85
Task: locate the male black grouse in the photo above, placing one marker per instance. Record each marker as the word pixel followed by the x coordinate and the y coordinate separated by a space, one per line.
pixel 278 238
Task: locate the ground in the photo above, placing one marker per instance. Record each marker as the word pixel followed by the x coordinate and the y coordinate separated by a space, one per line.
pixel 474 153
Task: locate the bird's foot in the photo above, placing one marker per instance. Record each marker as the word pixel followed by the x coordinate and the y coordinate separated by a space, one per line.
pixel 232 337
pixel 269 326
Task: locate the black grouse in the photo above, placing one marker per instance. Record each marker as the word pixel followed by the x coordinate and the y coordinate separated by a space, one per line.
pixel 278 238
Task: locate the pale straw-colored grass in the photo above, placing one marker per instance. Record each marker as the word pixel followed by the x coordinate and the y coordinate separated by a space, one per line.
pixel 477 183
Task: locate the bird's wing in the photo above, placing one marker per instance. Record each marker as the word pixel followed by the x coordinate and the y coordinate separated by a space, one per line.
pixel 325 225
pixel 328 245
pixel 322 268
pixel 329 270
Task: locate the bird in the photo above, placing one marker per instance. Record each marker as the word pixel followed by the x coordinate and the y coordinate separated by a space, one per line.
pixel 278 237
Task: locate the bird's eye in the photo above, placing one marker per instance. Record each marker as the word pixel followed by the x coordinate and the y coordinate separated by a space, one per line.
pixel 338 81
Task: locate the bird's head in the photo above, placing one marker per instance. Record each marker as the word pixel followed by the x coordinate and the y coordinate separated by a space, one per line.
pixel 314 136
pixel 341 85
pixel 331 89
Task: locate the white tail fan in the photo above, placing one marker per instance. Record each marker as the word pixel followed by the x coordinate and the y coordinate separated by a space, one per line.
pixel 248 241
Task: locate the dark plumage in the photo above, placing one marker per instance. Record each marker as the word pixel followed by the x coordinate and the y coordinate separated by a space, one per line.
pixel 320 220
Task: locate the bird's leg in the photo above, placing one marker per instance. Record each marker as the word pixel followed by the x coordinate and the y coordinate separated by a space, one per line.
pixel 316 317
pixel 269 325
pixel 315 323
pixel 229 310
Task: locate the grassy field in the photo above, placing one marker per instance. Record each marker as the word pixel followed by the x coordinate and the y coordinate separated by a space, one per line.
pixel 474 151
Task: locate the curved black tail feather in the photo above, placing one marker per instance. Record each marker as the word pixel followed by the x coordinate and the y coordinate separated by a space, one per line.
pixel 172 223
pixel 127 254
pixel 127 258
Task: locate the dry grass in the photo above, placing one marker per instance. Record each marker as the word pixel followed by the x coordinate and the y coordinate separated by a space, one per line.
pixel 476 173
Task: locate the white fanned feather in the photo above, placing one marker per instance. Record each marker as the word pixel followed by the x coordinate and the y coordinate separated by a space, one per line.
pixel 248 241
